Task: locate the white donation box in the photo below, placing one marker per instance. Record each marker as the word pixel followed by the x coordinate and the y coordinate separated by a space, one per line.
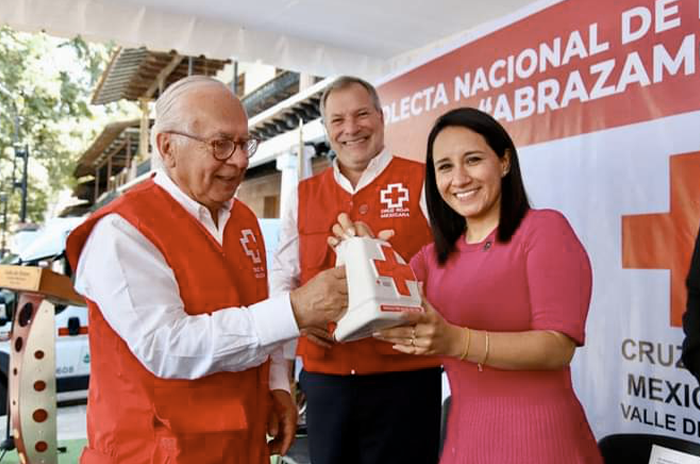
pixel 381 288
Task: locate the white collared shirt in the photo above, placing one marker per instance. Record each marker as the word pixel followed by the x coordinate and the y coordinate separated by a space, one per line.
pixel 130 280
pixel 285 272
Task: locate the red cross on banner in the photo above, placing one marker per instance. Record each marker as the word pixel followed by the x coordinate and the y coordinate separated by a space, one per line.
pixel 665 240
pixel 401 274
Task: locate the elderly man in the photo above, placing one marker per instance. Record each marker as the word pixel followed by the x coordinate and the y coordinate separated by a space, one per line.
pixel 181 329
pixel 366 403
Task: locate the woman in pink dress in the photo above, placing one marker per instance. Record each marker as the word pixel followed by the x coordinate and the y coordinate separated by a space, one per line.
pixel 508 290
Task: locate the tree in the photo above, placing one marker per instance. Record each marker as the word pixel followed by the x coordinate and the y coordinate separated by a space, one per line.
pixel 50 82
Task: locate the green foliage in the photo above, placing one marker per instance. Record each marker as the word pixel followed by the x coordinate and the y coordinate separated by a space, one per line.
pixel 50 83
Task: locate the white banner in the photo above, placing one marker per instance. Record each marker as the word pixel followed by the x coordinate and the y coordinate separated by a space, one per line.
pixel 603 101
pixel 628 376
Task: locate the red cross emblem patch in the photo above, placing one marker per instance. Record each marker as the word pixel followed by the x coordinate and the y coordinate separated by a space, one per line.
pixel 250 245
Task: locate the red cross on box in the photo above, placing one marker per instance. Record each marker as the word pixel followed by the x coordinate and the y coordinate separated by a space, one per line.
pixel 401 274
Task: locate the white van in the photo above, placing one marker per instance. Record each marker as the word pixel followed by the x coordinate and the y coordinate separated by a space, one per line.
pixel 47 249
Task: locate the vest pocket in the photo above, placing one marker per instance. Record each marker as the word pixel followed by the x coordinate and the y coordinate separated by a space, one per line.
pixel 314 251
pixel 200 410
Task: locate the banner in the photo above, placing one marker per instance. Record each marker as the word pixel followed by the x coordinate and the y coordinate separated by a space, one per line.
pixel 603 102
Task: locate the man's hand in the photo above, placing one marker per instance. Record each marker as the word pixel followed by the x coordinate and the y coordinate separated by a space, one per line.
pixel 319 336
pixel 321 300
pixel 345 228
pixel 282 423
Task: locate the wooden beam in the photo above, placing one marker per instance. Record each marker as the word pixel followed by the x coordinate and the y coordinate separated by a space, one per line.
pixel 97 184
pixel 129 159
pixel 117 148
pixel 109 173
pixel 144 130
pixel 163 75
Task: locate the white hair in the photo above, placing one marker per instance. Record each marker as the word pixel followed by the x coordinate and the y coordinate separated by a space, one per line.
pixel 168 115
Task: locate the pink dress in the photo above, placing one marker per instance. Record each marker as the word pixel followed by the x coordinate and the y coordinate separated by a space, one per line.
pixel 541 280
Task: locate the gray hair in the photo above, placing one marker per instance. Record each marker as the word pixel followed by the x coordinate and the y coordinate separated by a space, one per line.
pixel 167 116
pixel 342 83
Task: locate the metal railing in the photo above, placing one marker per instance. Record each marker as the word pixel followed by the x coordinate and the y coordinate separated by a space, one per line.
pixel 272 92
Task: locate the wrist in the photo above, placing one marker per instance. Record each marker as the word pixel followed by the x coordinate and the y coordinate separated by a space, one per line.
pixel 460 342
pixel 467 340
pixel 299 313
pixel 482 363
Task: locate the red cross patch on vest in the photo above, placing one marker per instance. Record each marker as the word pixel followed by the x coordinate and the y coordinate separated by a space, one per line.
pixel 250 247
pixel 394 198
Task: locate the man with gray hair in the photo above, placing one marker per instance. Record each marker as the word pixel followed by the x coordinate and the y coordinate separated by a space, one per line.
pixel 186 363
pixel 366 403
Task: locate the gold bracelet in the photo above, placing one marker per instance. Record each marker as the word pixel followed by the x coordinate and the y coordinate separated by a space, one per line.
pixel 466 345
pixel 486 353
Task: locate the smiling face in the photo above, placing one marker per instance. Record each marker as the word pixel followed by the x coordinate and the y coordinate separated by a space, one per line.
pixel 207 111
pixel 468 174
pixel 355 128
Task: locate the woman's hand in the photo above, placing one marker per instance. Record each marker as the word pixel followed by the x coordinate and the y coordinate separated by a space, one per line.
pixel 426 333
pixel 345 228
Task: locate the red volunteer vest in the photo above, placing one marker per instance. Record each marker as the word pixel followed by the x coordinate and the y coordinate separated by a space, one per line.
pixel 391 201
pixel 135 417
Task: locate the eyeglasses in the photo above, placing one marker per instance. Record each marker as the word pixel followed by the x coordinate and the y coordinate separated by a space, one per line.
pixel 223 148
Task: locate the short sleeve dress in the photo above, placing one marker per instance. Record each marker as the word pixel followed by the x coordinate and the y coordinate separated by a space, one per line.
pixel 540 280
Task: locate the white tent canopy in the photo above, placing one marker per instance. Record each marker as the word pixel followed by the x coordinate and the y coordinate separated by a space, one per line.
pixel 324 37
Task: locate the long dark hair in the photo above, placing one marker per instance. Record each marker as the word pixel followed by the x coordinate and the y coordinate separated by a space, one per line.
pixel 448 226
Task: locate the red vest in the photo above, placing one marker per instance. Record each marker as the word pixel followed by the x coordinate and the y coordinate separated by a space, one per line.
pixel 391 201
pixel 135 417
